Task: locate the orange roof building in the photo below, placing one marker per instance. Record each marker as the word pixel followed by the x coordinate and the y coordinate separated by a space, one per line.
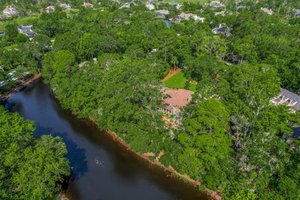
pixel 177 98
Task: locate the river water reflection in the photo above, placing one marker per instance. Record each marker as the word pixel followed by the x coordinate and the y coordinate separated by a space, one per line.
pixel 101 169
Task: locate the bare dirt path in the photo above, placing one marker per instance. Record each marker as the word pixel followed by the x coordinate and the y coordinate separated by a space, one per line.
pixel 171 73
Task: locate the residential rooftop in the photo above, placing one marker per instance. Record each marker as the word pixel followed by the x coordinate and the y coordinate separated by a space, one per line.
pixel 287 98
pixel 177 98
pixel 268 11
pixel 221 29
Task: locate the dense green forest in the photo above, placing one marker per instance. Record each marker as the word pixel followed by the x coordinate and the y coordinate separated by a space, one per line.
pixel 107 63
pixel 30 167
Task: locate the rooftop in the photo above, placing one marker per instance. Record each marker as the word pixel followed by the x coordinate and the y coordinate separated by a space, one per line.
pixel 267 10
pixel 49 9
pixel 65 6
pixel 297 13
pixel 9 11
pixel 215 4
pixel 288 98
pixel 296 132
pixel 87 4
pixel 292 96
pixel 162 12
pixel 177 97
pixel 221 29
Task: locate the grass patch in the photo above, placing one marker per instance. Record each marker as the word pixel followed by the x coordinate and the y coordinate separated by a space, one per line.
pixel 193 87
pixel 178 81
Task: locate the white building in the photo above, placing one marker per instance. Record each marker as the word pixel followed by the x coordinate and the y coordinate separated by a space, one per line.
pixel 150 6
pixel 9 11
pixel 65 6
pixel 188 16
pixel 287 98
pixel 162 13
pixel 223 29
pixel 215 4
pixel 88 5
pixel 50 9
pixel 268 11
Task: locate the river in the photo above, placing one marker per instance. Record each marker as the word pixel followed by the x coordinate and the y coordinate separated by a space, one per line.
pixel 101 169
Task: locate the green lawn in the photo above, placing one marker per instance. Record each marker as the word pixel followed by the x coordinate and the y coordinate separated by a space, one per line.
pixel 178 81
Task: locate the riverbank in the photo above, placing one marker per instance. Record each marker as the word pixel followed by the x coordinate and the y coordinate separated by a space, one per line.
pixel 155 163
pixel 20 87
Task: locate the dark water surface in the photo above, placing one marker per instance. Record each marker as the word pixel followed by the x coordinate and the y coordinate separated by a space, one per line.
pixel 101 169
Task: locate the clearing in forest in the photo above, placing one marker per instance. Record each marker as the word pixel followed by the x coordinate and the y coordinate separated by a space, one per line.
pixel 178 81
pixel 171 73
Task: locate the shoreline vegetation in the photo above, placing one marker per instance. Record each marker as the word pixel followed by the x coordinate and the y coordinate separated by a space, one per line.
pixel 106 62
pixel 144 157
pixel 215 195
pixel 24 172
pixel 168 170
pixel 20 87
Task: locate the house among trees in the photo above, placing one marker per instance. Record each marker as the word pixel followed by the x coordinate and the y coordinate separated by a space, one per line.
pixel 9 11
pixel 87 5
pixel 188 16
pixel 215 4
pixel 26 30
pixel 296 130
pixel 221 13
pixel 65 6
pixel 288 98
pixel 178 6
pixel 2 84
pixel 23 29
pixel 127 5
pixel 150 6
pixel 162 13
pixel 2 33
pixel 297 13
pixel 177 99
pixel 223 29
pixel 50 9
pixel 268 11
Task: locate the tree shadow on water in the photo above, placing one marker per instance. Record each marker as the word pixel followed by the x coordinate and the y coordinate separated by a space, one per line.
pixel 75 155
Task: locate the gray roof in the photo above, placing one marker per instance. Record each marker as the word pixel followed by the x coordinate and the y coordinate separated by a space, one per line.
pixel 292 96
pixel 296 130
pixel 221 29
pixel 24 27
pixel 162 12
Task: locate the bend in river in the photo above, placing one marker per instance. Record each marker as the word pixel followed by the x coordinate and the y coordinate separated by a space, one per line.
pixel 101 169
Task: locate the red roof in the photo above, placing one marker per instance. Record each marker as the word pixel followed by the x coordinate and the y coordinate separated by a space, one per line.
pixel 87 4
pixel 178 97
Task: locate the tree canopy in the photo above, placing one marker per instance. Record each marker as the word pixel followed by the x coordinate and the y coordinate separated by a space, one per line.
pixel 30 167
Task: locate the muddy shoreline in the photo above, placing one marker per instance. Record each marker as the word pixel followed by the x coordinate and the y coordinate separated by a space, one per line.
pixel 169 171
